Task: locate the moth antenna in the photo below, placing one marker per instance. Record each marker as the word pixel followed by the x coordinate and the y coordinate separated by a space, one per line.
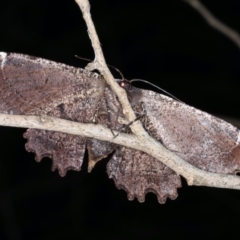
pixel 161 89
pixel 86 59
pixel 116 69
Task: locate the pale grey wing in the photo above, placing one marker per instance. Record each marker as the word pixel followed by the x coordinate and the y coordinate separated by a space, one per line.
pixel 35 86
pixel 203 140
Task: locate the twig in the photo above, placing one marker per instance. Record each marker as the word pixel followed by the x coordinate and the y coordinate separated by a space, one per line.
pixel 140 140
pixel 100 64
pixel 144 141
pixel 193 175
pixel 214 22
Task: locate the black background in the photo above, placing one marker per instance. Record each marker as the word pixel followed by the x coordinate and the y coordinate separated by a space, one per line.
pixel 165 42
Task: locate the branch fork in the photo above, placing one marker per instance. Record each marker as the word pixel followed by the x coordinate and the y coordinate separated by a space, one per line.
pixel 139 140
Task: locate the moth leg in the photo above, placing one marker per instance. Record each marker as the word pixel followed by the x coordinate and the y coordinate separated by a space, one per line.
pixel 129 124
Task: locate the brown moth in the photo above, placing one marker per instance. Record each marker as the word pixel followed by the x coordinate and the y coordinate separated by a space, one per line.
pixel 35 86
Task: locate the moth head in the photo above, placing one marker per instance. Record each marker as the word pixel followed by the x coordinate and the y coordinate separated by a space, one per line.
pixel 124 83
pixel 134 94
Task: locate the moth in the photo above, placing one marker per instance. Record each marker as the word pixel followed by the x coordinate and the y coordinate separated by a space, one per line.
pixel 35 86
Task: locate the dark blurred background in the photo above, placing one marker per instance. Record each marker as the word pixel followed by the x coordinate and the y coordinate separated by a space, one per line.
pixel 165 42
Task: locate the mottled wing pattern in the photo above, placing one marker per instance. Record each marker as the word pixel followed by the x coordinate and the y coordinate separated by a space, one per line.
pixel 108 115
pixel 138 173
pixel 205 141
pixel 65 150
pixel 34 86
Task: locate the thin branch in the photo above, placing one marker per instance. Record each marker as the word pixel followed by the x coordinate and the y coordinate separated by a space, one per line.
pixel 144 141
pixel 140 140
pixel 214 22
pixel 100 64
pixel 193 175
